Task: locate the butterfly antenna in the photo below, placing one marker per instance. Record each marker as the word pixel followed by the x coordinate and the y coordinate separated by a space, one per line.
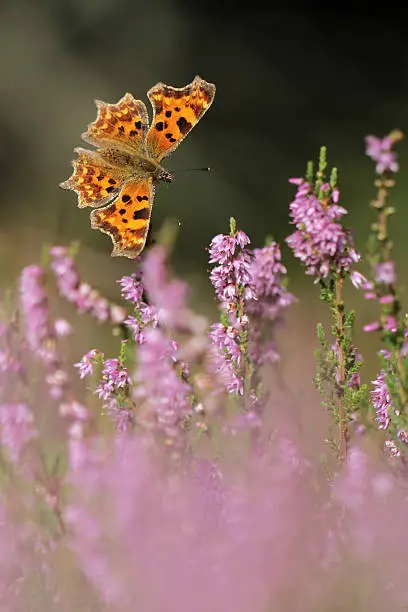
pixel 205 169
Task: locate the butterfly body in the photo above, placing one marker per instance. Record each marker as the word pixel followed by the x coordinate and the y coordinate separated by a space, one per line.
pixel 118 178
pixel 135 165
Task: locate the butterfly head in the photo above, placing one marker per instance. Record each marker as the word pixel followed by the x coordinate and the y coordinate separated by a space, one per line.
pixel 154 169
pixel 162 174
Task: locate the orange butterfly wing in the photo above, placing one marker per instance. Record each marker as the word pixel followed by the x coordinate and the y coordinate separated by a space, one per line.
pixel 176 112
pixel 127 219
pixel 94 180
pixel 124 124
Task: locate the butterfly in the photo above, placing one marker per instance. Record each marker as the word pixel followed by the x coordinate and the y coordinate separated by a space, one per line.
pixel 118 178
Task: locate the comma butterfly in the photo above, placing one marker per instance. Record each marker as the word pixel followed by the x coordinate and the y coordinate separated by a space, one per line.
pixel 118 178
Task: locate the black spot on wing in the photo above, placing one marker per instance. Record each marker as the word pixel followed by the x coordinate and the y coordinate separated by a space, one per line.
pixel 183 125
pixel 143 213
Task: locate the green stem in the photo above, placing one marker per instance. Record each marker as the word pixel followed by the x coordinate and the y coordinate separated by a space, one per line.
pixel 341 371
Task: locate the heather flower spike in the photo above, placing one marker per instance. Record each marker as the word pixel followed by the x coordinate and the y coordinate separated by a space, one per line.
pixel 81 294
pixel 252 297
pixel 390 390
pixel 326 249
pixel 381 151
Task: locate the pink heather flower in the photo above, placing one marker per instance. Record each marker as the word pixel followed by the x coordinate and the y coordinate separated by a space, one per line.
pixel 385 273
pixel 320 242
pixel 349 489
pixel 161 396
pixel 86 365
pixel 62 328
pixel 17 429
pixel 83 296
pixel 8 361
pixel 131 289
pixel 380 151
pixel 35 307
pixel 226 357
pixel 390 324
pixel 168 295
pixel 270 296
pixel 404 348
pixel 359 280
pixel 270 299
pixel 242 239
pixel 145 314
pixel 386 299
pixel 40 331
pixel 392 449
pixel 234 288
pixel 222 248
pixel 354 381
pixel 115 378
pixel 75 410
pixel 370 496
pixel 370 327
pixel 195 538
pixel 232 275
pixel 382 401
pixel 23 555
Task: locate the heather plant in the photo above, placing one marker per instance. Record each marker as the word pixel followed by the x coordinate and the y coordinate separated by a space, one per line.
pixel 158 477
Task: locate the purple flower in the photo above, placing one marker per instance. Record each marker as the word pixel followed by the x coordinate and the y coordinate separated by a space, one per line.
pixel 390 324
pixel 404 348
pixel 86 365
pixel 115 378
pixel 320 242
pixel 168 295
pixel 75 410
pixel 392 449
pixel 83 296
pixel 270 299
pixel 120 413
pixel 359 280
pixel 266 271
pixel 226 357
pixel 145 315
pixel 222 248
pixel 131 289
pixel 380 151
pixel 381 400
pixel 8 361
pixel 62 327
pixel 163 398
pixel 16 429
pixel 385 273
pixel 384 407
pixel 40 331
pixel 231 278
pixel 387 299
pixel 373 326
pixel 354 381
pixel 35 307
pixel 234 288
